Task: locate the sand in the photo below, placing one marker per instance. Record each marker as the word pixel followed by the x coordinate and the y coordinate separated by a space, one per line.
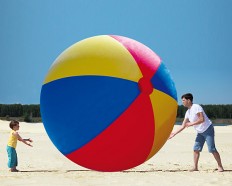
pixel 44 165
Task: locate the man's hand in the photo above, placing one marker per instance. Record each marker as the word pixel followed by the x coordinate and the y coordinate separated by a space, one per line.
pixel 188 124
pixel 171 135
pixel 29 139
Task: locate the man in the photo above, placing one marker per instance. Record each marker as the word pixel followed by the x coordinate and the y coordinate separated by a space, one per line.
pixel 195 116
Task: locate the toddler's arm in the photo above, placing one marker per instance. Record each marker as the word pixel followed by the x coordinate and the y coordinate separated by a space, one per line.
pixel 23 140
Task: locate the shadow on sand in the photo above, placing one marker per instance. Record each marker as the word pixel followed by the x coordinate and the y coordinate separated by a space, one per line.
pixel 126 171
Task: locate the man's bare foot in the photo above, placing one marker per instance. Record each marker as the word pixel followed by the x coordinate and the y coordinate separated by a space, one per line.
pixel 193 169
pixel 220 169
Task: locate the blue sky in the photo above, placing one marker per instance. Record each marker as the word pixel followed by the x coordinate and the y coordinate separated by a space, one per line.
pixel 192 37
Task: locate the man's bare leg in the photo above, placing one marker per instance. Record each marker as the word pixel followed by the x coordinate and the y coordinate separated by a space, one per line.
pixel 219 162
pixel 196 155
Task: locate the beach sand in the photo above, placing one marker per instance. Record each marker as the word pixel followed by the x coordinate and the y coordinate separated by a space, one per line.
pixel 44 165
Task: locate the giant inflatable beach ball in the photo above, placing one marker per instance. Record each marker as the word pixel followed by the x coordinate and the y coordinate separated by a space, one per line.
pixel 108 103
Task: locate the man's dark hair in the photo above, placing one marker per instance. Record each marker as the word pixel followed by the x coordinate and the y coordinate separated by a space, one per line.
pixel 187 96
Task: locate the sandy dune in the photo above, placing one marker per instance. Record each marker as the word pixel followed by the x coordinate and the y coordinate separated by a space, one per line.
pixel 44 165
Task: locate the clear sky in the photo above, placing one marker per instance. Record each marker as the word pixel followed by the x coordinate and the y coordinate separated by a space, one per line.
pixel 192 37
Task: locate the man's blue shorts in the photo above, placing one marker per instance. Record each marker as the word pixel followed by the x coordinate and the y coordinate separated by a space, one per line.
pixel 12 157
pixel 207 136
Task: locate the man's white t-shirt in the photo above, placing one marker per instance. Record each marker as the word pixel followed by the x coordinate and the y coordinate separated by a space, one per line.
pixel 191 114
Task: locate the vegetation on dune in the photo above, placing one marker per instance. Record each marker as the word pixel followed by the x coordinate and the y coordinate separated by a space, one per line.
pixel 31 113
